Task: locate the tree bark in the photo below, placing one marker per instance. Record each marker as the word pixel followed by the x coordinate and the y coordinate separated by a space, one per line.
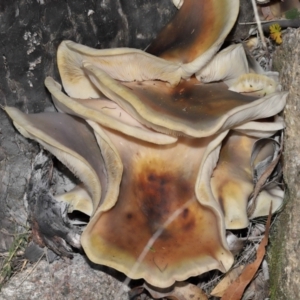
pixel 285 250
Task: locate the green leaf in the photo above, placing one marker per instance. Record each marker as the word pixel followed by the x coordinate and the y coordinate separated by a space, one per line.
pixel 292 14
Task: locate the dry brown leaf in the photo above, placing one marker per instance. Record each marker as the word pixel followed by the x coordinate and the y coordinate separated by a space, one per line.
pixel 181 291
pixel 236 289
pixel 263 176
pixel 231 276
pixel 267 13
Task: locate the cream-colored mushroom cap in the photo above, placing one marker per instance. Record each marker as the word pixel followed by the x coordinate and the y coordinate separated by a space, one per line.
pixel 71 140
pixel 106 113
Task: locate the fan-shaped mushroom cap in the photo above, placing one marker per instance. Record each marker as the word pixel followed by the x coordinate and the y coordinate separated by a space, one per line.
pixel 221 66
pixel 71 141
pixel 190 108
pixel 202 37
pixel 195 33
pixel 261 129
pixel 178 3
pixel 79 199
pixel 106 113
pixel 232 180
pixel 244 75
pixel 114 166
pixel 157 229
pixel 272 194
pixel 123 64
pixel 151 196
pixel 254 84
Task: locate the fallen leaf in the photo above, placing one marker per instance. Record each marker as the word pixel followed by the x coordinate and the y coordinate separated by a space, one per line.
pixel 236 289
pixel 231 276
pixel 260 165
pixel 265 172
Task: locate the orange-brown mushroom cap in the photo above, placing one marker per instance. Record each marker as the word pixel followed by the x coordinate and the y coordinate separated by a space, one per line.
pixel 196 32
pixel 157 230
pixel 190 108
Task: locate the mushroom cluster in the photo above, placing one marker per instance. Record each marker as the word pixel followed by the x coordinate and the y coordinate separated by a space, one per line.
pixel 161 140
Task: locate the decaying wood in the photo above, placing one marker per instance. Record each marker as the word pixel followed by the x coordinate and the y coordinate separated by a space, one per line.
pixel 48 218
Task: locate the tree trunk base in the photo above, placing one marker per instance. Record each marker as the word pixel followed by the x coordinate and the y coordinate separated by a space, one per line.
pixel 285 249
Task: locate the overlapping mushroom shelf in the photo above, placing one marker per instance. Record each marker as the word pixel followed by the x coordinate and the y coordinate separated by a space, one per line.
pixel 162 143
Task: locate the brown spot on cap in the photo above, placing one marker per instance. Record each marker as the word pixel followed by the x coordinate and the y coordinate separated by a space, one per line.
pixel 191 107
pixel 158 191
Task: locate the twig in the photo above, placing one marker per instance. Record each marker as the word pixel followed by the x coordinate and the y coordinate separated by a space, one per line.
pixel 284 23
pixel 255 22
pixel 260 30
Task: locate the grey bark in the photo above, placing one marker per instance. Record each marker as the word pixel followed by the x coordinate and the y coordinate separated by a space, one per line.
pixel 285 247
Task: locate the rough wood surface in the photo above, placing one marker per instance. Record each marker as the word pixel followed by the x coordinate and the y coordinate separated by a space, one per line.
pixel 285 253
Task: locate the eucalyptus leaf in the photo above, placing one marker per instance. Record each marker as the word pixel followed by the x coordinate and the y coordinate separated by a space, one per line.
pixel 267 170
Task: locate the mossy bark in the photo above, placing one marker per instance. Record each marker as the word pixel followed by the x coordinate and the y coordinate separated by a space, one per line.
pixel 285 241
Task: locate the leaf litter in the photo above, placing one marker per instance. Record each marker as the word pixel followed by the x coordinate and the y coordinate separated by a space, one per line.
pixel 236 290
